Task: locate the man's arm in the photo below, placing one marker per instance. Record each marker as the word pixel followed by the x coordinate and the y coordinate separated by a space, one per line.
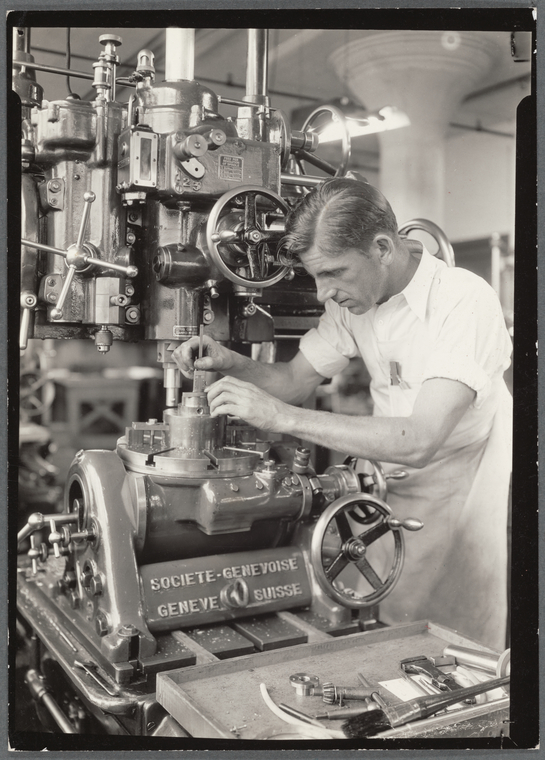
pixel 292 381
pixel 411 441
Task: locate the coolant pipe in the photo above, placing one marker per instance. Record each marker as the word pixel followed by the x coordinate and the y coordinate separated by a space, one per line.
pixel 179 54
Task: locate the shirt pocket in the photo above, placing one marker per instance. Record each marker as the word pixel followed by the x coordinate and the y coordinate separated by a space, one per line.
pixel 401 401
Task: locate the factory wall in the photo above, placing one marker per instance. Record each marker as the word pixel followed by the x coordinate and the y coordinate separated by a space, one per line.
pixel 480 185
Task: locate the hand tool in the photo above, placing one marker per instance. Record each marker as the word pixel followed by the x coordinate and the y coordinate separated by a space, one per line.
pixel 347 712
pixel 301 715
pixel 309 685
pixel 423 665
pixel 199 375
pixel 374 721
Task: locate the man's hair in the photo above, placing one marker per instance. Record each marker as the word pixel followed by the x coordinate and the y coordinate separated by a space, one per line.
pixel 337 215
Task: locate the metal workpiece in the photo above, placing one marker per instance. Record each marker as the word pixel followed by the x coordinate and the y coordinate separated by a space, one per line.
pixel 305 684
pixel 488 662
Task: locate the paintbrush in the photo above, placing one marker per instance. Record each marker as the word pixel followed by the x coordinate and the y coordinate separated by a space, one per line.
pixel 374 721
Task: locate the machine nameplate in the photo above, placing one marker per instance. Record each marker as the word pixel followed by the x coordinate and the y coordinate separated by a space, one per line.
pixel 183 593
pixel 183 331
pixel 231 168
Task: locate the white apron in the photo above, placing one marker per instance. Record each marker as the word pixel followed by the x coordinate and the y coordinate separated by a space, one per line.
pixel 455 570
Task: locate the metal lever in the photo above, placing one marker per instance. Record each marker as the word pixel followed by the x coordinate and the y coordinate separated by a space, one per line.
pixel 28 303
pixel 72 257
pixel 396 475
pixel 409 523
pixel 76 258
pixel 55 538
pixel 56 312
pixel 85 259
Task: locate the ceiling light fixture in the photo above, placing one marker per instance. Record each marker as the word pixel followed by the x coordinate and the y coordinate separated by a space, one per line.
pixel 385 119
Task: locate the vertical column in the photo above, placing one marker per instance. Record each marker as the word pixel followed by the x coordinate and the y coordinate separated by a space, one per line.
pixel 425 74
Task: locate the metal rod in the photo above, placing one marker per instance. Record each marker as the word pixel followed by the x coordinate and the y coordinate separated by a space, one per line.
pixel 179 54
pixel 201 341
pixel 129 271
pixel 37 520
pixel 88 199
pixel 21 39
pixel 245 451
pixel 473 658
pixel 301 179
pixel 43 247
pixel 35 682
pixel 53 69
pixel 301 715
pixel 315 161
pixel 24 329
pixel 235 102
pixel 256 69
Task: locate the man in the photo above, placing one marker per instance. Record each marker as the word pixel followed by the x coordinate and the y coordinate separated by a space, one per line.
pixel 434 341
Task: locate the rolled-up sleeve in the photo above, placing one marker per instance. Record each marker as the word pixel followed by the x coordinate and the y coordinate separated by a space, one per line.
pixel 328 347
pixel 472 344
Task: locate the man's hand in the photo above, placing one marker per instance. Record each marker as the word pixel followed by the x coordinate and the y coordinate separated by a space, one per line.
pixel 241 399
pixel 217 358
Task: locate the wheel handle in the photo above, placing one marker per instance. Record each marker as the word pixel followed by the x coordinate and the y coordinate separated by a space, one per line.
pixel 302 155
pixel 353 549
pixel 445 250
pixel 249 237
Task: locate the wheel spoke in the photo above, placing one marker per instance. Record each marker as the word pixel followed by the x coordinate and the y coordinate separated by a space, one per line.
pixel 368 573
pixel 338 564
pixel 253 262
pixel 345 531
pixel 319 163
pixel 374 533
pixel 250 211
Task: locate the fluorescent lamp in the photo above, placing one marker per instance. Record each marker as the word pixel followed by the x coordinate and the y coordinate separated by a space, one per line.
pixel 385 119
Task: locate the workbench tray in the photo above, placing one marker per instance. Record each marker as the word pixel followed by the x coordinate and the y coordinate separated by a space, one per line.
pixel 223 699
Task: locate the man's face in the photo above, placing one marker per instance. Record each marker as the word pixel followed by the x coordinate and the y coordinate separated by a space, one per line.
pixel 353 280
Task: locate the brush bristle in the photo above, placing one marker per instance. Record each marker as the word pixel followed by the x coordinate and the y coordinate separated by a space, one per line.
pixel 366 724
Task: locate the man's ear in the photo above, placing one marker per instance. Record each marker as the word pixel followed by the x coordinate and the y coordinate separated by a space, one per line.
pixel 386 248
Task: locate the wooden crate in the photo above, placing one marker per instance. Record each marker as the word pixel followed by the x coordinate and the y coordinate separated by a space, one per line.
pixel 223 699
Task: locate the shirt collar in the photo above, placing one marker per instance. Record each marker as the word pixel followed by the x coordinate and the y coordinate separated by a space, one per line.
pixel 417 291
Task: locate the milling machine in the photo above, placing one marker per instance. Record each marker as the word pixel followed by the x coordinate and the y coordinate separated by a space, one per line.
pixel 154 220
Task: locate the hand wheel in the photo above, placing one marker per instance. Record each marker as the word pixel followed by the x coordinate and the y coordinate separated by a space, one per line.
pixel 78 258
pixel 334 548
pixel 241 242
pixel 317 124
pixel 445 250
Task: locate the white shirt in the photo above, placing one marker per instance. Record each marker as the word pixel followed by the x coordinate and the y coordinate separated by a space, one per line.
pixel 446 323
